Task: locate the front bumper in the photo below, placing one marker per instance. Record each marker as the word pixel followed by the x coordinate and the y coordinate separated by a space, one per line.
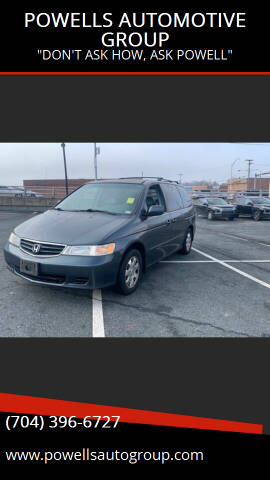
pixel 265 214
pixel 66 270
pixel 224 214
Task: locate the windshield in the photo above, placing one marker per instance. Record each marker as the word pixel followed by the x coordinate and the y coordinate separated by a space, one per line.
pixel 103 197
pixel 261 200
pixel 216 201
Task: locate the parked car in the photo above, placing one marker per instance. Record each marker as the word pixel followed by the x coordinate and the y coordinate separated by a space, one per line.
pixel 25 192
pixel 214 207
pixel 18 192
pixel 10 191
pixel 104 233
pixel 256 207
pixel 30 193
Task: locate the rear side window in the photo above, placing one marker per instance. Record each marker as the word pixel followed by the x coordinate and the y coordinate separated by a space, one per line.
pixel 172 197
pixel 185 197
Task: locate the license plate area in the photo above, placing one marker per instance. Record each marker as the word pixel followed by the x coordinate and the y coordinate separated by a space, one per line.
pixel 29 268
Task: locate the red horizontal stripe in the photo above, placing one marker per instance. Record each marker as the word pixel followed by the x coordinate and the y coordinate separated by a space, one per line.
pixel 134 73
pixel 44 406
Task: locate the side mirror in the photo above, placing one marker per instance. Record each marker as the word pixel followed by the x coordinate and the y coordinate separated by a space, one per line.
pixel 155 210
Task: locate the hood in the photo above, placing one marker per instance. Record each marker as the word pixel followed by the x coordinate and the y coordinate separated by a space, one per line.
pixel 71 228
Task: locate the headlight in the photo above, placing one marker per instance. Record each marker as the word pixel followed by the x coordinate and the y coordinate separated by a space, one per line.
pixel 14 239
pixel 90 250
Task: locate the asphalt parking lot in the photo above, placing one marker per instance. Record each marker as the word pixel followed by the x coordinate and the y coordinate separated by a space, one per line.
pixel 222 289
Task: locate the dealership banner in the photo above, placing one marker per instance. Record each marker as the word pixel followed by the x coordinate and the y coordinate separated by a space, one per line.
pixel 172 373
pixel 101 38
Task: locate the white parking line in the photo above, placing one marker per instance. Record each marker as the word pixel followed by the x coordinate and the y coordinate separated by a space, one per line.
pixel 97 314
pixel 240 272
pixel 214 261
pixel 187 261
pixel 264 244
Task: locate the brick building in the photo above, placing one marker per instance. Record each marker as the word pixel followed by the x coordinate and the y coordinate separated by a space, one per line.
pixel 256 183
pixel 54 188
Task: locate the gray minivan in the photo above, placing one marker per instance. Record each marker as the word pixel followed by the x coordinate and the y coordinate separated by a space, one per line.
pixel 104 233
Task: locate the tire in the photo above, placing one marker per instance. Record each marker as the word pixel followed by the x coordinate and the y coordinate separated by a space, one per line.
pixel 231 219
pixel 256 215
pixel 128 283
pixel 210 216
pixel 186 249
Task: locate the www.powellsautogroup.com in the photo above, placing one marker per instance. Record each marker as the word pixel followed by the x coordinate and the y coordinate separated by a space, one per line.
pixel 136 55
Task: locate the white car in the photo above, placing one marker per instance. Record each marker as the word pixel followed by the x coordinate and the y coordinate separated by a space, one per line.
pixel 11 191
pixel 18 192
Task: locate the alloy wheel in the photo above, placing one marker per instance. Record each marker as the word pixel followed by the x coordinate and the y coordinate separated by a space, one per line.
pixel 132 272
pixel 188 241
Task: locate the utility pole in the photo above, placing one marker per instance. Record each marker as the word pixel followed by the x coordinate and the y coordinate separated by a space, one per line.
pixel 96 153
pixel 63 145
pixel 249 163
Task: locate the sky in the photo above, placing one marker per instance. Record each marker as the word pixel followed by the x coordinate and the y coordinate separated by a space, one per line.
pixel 195 161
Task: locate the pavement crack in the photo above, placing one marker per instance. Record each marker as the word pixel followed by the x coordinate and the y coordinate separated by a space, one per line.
pixel 173 317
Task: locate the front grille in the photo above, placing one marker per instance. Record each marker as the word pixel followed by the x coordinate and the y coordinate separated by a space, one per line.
pixel 40 248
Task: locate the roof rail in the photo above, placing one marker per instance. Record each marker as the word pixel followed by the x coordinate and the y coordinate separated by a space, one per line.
pixel 157 178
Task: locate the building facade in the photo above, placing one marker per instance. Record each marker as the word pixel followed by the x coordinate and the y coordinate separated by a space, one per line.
pixel 255 183
pixel 54 188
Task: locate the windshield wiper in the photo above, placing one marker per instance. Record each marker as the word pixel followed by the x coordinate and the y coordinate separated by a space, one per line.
pixel 101 211
pixel 87 210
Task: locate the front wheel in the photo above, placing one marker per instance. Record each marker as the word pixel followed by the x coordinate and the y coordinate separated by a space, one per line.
pixel 130 272
pixel 256 215
pixel 185 250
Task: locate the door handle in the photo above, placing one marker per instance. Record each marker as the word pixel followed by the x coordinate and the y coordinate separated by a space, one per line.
pixel 168 222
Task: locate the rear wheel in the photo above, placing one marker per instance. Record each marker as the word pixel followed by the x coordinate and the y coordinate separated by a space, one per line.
pixel 256 215
pixel 130 272
pixel 185 250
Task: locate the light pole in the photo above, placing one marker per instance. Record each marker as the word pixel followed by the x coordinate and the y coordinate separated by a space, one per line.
pixel 180 177
pixel 232 164
pixel 63 145
pixel 256 175
pixel 96 152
